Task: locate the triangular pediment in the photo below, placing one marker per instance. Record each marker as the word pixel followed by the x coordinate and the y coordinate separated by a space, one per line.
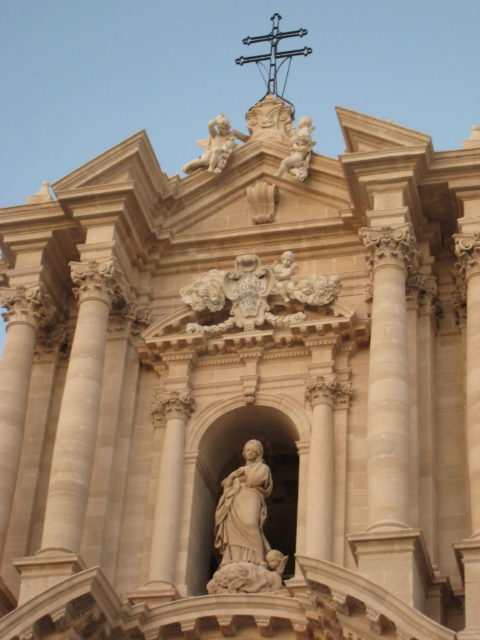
pixel 132 160
pixel 366 133
pixel 248 193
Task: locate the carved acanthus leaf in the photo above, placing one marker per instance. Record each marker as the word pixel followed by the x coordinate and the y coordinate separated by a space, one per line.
pixel 27 304
pixel 391 245
pixel 325 388
pixel 171 403
pixel 101 279
pixel 131 317
pixel 467 250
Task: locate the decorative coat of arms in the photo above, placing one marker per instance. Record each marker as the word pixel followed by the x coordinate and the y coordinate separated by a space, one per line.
pixel 248 287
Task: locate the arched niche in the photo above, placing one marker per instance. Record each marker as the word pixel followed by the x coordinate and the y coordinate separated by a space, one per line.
pixel 219 452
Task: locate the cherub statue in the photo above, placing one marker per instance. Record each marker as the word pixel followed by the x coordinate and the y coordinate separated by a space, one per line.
pixel 301 144
pixel 283 271
pixel 218 147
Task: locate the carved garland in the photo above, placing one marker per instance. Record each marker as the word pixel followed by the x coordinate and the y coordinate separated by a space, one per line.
pixel 248 287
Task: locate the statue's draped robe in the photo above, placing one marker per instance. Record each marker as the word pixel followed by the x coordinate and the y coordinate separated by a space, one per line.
pixel 240 514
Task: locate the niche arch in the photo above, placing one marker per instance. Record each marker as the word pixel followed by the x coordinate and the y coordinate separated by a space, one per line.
pixel 218 446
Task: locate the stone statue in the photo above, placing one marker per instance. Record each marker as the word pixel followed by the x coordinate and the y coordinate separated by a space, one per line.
pixel 241 510
pixel 248 564
pixel 218 147
pixel 301 144
pixel 283 272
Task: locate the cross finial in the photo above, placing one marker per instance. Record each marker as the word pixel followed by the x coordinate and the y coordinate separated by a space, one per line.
pixel 275 56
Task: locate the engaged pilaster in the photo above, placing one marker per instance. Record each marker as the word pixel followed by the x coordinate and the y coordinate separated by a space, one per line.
pixel 27 309
pixel 170 411
pixel 321 392
pixel 391 257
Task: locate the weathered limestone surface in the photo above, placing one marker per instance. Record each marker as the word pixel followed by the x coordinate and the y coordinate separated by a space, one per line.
pixel 240 303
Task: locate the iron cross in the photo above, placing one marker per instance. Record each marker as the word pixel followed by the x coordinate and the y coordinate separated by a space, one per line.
pixel 274 38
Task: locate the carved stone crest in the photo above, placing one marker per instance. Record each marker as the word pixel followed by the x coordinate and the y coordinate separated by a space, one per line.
pixel 248 287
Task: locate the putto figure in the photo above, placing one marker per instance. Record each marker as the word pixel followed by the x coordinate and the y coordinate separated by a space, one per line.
pixel 218 147
pixel 301 145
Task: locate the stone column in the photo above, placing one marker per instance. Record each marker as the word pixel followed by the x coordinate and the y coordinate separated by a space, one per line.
pixel 96 284
pixel 27 308
pixel 467 248
pixel 171 410
pixel 391 256
pixel 320 392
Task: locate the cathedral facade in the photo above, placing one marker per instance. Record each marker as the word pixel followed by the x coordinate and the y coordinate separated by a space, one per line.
pixel 323 309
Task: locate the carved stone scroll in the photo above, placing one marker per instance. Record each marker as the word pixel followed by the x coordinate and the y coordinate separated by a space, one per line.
pixel 262 198
pixel 170 403
pixel 248 287
pixel 467 250
pixel 27 304
pixel 102 279
pixel 324 388
pixel 391 245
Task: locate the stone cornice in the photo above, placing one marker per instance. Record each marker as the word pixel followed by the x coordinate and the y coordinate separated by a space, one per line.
pixel 28 305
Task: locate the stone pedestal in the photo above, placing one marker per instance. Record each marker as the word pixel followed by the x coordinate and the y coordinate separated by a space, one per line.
pixel 468 558
pixel 397 561
pixel 39 573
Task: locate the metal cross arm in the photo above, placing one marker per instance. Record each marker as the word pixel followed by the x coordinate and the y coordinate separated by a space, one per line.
pixel 306 51
pixel 285 34
pixel 274 56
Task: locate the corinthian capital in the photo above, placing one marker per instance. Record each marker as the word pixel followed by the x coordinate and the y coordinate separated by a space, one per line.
pixel 325 389
pixel 390 245
pixel 467 250
pixel 101 280
pixel 31 305
pixel 171 404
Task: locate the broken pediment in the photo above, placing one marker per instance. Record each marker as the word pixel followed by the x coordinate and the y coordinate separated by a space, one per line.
pixel 366 133
pixel 130 161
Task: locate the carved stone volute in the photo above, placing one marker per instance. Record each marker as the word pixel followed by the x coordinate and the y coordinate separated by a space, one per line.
pixel 467 250
pixel 171 404
pixel 101 280
pixel 390 246
pixel 325 389
pixel 31 305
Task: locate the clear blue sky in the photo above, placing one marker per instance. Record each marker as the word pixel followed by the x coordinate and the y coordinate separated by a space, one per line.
pixel 79 76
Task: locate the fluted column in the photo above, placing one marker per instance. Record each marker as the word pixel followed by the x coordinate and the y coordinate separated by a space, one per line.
pixel 27 308
pixel 467 249
pixel 391 256
pixel 320 392
pixel 171 410
pixel 96 284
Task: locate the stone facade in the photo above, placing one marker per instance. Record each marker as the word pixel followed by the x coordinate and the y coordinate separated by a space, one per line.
pixel 155 324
